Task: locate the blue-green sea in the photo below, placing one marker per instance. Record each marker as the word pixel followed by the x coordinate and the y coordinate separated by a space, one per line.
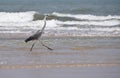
pixel 97 7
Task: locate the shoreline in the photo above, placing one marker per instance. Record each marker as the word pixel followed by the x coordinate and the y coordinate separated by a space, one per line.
pixel 24 35
pixel 59 65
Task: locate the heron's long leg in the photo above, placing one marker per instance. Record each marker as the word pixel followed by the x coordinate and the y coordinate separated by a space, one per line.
pixel 32 46
pixel 45 45
pixel 42 45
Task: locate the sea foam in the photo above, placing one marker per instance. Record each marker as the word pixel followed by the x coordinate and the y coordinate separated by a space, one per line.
pixel 87 16
pixel 23 22
pixel 16 16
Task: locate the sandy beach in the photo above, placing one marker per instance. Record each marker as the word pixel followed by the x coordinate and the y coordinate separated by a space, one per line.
pixel 79 57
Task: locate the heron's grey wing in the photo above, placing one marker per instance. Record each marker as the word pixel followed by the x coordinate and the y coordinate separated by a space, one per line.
pixel 34 36
pixel 29 39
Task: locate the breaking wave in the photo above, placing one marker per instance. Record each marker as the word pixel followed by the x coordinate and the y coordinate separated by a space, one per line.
pixel 60 24
pixel 88 17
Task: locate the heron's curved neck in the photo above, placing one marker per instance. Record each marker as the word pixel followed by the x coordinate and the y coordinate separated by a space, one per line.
pixel 44 23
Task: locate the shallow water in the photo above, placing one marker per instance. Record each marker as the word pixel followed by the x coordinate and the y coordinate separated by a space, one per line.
pixel 67 50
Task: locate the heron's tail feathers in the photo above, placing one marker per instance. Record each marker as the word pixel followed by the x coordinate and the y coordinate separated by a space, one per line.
pixel 29 39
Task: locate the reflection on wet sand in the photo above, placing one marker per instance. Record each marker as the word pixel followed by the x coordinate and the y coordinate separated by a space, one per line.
pixel 92 48
pixel 58 65
pixel 74 52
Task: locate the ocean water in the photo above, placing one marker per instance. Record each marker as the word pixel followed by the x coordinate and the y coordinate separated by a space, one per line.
pixel 66 17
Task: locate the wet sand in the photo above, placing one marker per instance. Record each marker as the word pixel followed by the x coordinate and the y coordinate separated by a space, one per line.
pixel 79 57
pixel 77 72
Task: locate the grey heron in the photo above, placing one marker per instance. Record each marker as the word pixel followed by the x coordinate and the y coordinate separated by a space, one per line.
pixel 38 35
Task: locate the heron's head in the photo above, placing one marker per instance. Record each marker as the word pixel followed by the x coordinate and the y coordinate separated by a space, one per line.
pixel 46 15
